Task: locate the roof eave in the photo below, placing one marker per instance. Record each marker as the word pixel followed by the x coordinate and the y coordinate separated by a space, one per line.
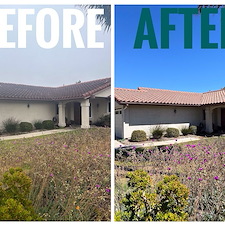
pixel 217 103
pixel 155 104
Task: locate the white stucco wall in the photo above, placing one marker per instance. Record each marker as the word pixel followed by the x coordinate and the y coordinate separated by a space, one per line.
pixel 145 117
pixel 149 128
pixel 104 93
pixel 99 107
pixel 20 111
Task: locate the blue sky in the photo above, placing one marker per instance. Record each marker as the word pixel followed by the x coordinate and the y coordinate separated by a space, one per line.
pixel 176 68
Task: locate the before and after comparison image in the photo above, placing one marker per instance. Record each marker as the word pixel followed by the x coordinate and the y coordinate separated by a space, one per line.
pixel 112 112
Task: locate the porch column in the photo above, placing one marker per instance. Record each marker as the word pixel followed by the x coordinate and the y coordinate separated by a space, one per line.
pixel 208 120
pixel 85 104
pixel 62 121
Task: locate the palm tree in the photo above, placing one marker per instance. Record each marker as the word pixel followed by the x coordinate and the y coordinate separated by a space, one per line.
pixel 105 19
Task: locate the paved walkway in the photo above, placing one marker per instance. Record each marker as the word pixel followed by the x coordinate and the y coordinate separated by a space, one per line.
pixel 117 144
pixel 35 134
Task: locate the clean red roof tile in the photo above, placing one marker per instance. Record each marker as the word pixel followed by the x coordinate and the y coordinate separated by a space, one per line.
pixel 213 97
pixel 159 96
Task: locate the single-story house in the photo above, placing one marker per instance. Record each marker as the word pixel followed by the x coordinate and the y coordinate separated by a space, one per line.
pixel 81 103
pixel 145 108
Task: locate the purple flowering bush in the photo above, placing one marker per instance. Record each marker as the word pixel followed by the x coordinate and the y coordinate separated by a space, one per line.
pixel 199 165
pixel 70 173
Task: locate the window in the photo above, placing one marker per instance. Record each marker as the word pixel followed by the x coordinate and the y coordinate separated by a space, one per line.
pixel 119 112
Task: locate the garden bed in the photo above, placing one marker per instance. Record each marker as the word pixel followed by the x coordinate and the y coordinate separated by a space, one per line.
pixel 199 165
pixel 70 173
pixel 152 142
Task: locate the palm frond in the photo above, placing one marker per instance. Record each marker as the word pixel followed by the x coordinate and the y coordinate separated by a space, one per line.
pixel 105 19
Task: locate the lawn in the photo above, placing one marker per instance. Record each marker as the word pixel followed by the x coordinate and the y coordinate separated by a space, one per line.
pixel 70 173
pixel 199 165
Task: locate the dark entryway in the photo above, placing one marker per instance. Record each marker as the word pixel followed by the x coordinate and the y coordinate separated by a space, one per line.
pixel 223 119
pixel 77 113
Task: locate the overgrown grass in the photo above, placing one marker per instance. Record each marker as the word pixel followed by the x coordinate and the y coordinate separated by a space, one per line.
pixel 199 165
pixel 70 173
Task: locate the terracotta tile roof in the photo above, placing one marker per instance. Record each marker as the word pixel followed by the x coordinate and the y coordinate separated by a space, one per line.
pixel 68 92
pixel 213 97
pixel 167 97
pixel 82 90
pixel 24 92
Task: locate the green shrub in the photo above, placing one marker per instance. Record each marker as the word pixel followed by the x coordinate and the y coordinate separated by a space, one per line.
pixel 140 201
pixel 185 131
pixel 38 124
pixel 193 129
pixel 48 124
pixel 104 121
pixel 157 132
pixel 26 127
pixel 122 216
pixel 11 125
pixel 138 135
pixel 173 198
pixel 144 203
pixel 14 192
pixel 139 179
pixel 172 132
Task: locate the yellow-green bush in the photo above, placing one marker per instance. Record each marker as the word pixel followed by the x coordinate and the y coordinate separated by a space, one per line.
pixel 139 179
pixel 143 202
pixel 14 202
pixel 172 196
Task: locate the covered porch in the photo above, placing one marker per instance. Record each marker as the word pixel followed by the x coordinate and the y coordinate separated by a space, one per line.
pixel 214 117
pixel 85 110
pixel 82 112
pixel 73 112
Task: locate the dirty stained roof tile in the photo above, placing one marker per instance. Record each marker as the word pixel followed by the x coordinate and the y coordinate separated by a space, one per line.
pixel 68 92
